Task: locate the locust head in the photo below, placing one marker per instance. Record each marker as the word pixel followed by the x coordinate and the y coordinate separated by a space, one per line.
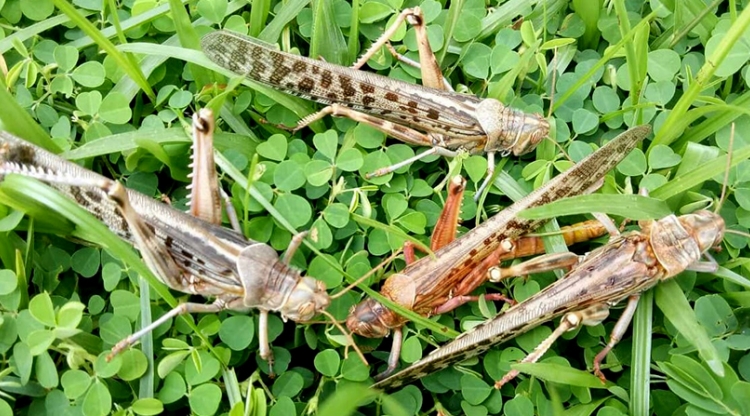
pixel 531 131
pixel 509 130
pixel 307 299
pixel 706 227
pixel 365 319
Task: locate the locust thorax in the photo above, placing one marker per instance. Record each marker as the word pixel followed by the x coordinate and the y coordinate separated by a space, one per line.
pixel 270 284
pixel 509 130
pixel 365 319
pixel 307 299
pixel 706 227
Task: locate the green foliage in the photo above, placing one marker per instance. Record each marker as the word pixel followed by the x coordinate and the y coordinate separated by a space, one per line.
pixel 593 67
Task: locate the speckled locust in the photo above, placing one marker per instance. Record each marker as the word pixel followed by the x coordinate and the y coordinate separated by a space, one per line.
pixel 429 115
pixel 191 252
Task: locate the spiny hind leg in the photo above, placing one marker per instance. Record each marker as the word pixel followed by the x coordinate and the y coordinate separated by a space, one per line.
pixel 543 263
pixel 405 134
pixel 205 202
pixel 447 223
pixel 444 233
pixel 432 76
pixel 205 192
pixel 530 245
pixel 397 131
pixel 408 61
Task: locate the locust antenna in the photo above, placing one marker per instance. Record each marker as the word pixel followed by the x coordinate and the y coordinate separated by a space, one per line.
pixel 724 185
pixel 736 232
pixel 726 171
pixel 553 82
pixel 356 282
pixel 368 274
pixel 347 335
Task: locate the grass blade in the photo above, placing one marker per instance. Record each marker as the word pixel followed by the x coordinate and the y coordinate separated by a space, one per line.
pixel 132 70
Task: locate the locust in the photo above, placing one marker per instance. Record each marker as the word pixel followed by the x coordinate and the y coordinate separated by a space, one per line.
pixel 626 266
pixel 431 284
pixel 424 115
pixel 189 252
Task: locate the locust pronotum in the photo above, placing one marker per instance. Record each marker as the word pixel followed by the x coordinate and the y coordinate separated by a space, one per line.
pixel 459 266
pixel 189 253
pixel 429 115
pixel 625 267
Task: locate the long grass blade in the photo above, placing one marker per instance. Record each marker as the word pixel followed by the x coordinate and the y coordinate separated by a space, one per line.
pixel 672 127
pixel 132 70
